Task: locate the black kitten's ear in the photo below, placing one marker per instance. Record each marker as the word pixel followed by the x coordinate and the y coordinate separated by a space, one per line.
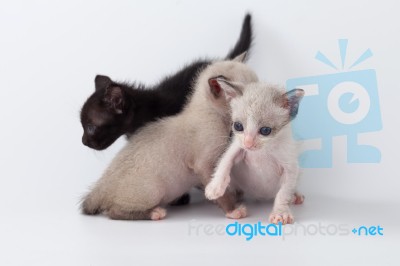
pixel 221 86
pixel 114 97
pixel 102 82
pixel 291 101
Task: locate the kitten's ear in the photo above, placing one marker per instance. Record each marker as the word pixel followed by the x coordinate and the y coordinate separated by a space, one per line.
pixel 102 82
pixel 114 98
pixel 240 58
pixel 221 86
pixel 291 101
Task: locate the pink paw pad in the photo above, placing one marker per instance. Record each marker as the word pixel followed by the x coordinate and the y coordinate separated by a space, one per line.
pixel 238 213
pixel 158 213
pixel 284 218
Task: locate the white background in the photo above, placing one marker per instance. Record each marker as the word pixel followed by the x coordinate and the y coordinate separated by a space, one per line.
pixel 50 52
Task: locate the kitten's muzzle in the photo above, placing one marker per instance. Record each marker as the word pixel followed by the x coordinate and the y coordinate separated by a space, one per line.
pixel 97 144
pixel 90 143
pixel 249 142
pixel 85 140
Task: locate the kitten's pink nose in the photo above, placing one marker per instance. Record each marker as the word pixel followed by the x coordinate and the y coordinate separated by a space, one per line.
pixel 248 142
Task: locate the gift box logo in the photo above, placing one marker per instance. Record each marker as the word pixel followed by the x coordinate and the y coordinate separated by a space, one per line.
pixel 345 103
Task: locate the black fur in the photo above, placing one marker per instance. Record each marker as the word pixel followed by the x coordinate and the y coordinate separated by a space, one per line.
pixel 182 200
pixel 245 39
pixel 115 109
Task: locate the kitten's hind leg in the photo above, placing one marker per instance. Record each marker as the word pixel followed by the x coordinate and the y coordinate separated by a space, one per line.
pixel 298 198
pixel 231 203
pixel 239 212
pixel 239 195
pixel 154 214
pixel 228 203
pixel 92 203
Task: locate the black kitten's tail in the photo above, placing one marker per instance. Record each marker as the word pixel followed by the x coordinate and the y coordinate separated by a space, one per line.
pixel 245 39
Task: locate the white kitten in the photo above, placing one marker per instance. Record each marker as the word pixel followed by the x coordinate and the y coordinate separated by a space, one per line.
pixel 262 157
pixel 165 159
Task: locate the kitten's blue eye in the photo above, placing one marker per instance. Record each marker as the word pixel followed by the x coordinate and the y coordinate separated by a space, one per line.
pixel 265 131
pixel 90 129
pixel 238 126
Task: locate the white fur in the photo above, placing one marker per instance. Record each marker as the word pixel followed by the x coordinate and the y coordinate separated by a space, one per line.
pixel 268 169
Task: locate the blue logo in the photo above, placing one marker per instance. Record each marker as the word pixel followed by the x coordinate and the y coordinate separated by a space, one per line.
pixel 340 104
pixel 251 230
pixel 368 231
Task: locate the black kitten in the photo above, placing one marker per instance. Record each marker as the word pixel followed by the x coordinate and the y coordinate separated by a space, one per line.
pixel 115 109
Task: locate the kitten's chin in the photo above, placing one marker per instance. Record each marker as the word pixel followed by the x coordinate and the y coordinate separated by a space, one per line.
pixel 98 146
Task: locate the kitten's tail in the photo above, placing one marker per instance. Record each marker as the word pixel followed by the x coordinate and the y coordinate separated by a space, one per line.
pixel 92 203
pixel 246 37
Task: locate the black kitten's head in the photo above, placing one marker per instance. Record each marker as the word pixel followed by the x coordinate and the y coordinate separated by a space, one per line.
pixel 104 114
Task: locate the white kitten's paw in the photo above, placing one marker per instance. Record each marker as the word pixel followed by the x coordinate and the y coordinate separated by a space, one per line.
pixel 298 198
pixel 281 217
pixel 215 190
pixel 238 213
pixel 158 213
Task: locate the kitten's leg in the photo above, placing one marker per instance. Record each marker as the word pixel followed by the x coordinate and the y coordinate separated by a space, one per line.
pixel 228 203
pixel 239 195
pixel 229 199
pixel 154 214
pixel 281 210
pixel 238 212
pixel 137 206
pixel 297 198
pixel 221 178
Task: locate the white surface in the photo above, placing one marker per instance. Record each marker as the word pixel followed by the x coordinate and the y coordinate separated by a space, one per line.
pixel 49 54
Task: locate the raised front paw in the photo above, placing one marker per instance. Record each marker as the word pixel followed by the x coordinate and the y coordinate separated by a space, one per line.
pixel 281 217
pixel 215 190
